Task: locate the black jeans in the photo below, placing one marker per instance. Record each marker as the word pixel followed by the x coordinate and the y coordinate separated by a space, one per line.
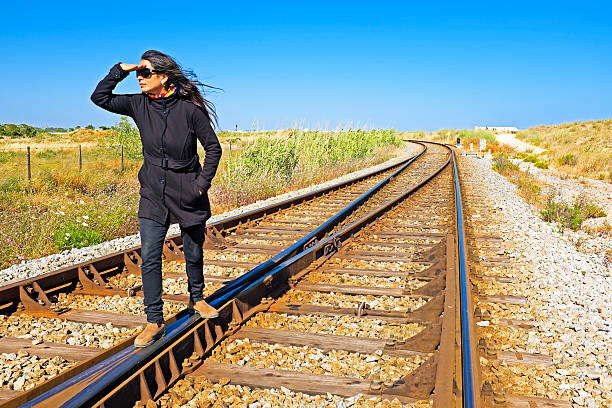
pixel 152 235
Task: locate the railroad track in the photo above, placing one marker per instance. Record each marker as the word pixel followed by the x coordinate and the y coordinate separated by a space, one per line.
pixel 358 289
pixel 91 298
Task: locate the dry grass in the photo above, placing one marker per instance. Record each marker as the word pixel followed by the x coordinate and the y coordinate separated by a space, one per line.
pixel 581 148
pixel 85 137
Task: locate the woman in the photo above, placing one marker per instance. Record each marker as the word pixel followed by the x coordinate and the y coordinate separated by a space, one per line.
pixel 170 114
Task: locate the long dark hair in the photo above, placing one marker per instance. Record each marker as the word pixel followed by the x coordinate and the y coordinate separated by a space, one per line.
pixel 186 82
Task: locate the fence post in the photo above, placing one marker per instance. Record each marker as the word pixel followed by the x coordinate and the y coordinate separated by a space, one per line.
pixel 80 159
pixel 29 167
pixel 122 158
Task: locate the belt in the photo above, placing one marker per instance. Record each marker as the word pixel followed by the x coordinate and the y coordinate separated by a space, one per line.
pixel 172 164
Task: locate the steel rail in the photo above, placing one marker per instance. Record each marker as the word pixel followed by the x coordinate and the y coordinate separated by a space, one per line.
pixel 230 289
pixel 333 242
pixel 96 383
pixel 469 392
pixel 469 399
pixel 238 284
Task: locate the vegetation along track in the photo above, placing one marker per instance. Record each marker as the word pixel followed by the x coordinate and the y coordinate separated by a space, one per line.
pixel 363 290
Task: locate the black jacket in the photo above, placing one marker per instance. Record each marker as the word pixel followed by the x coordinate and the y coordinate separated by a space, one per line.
pixel 171 173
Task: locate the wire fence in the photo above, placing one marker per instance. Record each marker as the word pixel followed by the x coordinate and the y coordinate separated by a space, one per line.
pixel 65 158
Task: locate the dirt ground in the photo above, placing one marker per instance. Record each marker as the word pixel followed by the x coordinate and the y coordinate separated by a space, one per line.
pixel 511 140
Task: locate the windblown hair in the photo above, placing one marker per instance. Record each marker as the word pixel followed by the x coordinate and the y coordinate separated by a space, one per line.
pixel 186 82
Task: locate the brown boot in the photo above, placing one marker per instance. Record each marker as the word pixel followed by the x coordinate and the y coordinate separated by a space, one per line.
pixel 151 333
pixel 205 310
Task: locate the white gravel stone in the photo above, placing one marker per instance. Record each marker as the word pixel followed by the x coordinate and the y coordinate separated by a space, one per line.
pixel 568 286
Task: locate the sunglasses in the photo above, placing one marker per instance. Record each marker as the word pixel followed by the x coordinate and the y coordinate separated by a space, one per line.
pixel 145 72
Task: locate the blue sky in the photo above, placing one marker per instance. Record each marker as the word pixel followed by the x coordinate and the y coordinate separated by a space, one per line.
pixel 392 64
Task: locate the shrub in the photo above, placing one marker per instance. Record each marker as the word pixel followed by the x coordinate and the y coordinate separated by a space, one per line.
pixel 591 210
pixel 125 134
pixel 22 130
pixel 527 187
pixel 531 158
pixel 502 164
pixel 569 215
pixel 526 157
pixel 567 160
pixel 72 235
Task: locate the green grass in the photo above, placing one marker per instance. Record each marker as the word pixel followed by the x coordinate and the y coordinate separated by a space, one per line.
pixel 33 214
pixel 277 163
pixel 467 137
pixel 477 134
pixel 465 134
pixel 11 184
pixel 74 235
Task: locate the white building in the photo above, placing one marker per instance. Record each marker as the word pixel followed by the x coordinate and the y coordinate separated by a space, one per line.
pixel 497 129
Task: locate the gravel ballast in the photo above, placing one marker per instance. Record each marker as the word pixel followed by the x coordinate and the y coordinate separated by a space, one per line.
pixel 568 292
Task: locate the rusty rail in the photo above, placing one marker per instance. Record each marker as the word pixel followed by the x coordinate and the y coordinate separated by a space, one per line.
pixel 134 374
pixel 229 290
pixel 469 359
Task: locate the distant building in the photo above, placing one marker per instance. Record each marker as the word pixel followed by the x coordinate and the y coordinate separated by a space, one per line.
pixel 497 129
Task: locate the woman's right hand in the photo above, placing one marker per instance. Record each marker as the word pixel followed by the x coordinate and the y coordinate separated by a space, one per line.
pixel 131 67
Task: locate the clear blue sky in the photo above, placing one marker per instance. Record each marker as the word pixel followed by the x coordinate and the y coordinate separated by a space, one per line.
pixel 421 65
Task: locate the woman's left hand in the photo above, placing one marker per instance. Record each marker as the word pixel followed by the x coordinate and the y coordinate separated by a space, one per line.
pixel 131 67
